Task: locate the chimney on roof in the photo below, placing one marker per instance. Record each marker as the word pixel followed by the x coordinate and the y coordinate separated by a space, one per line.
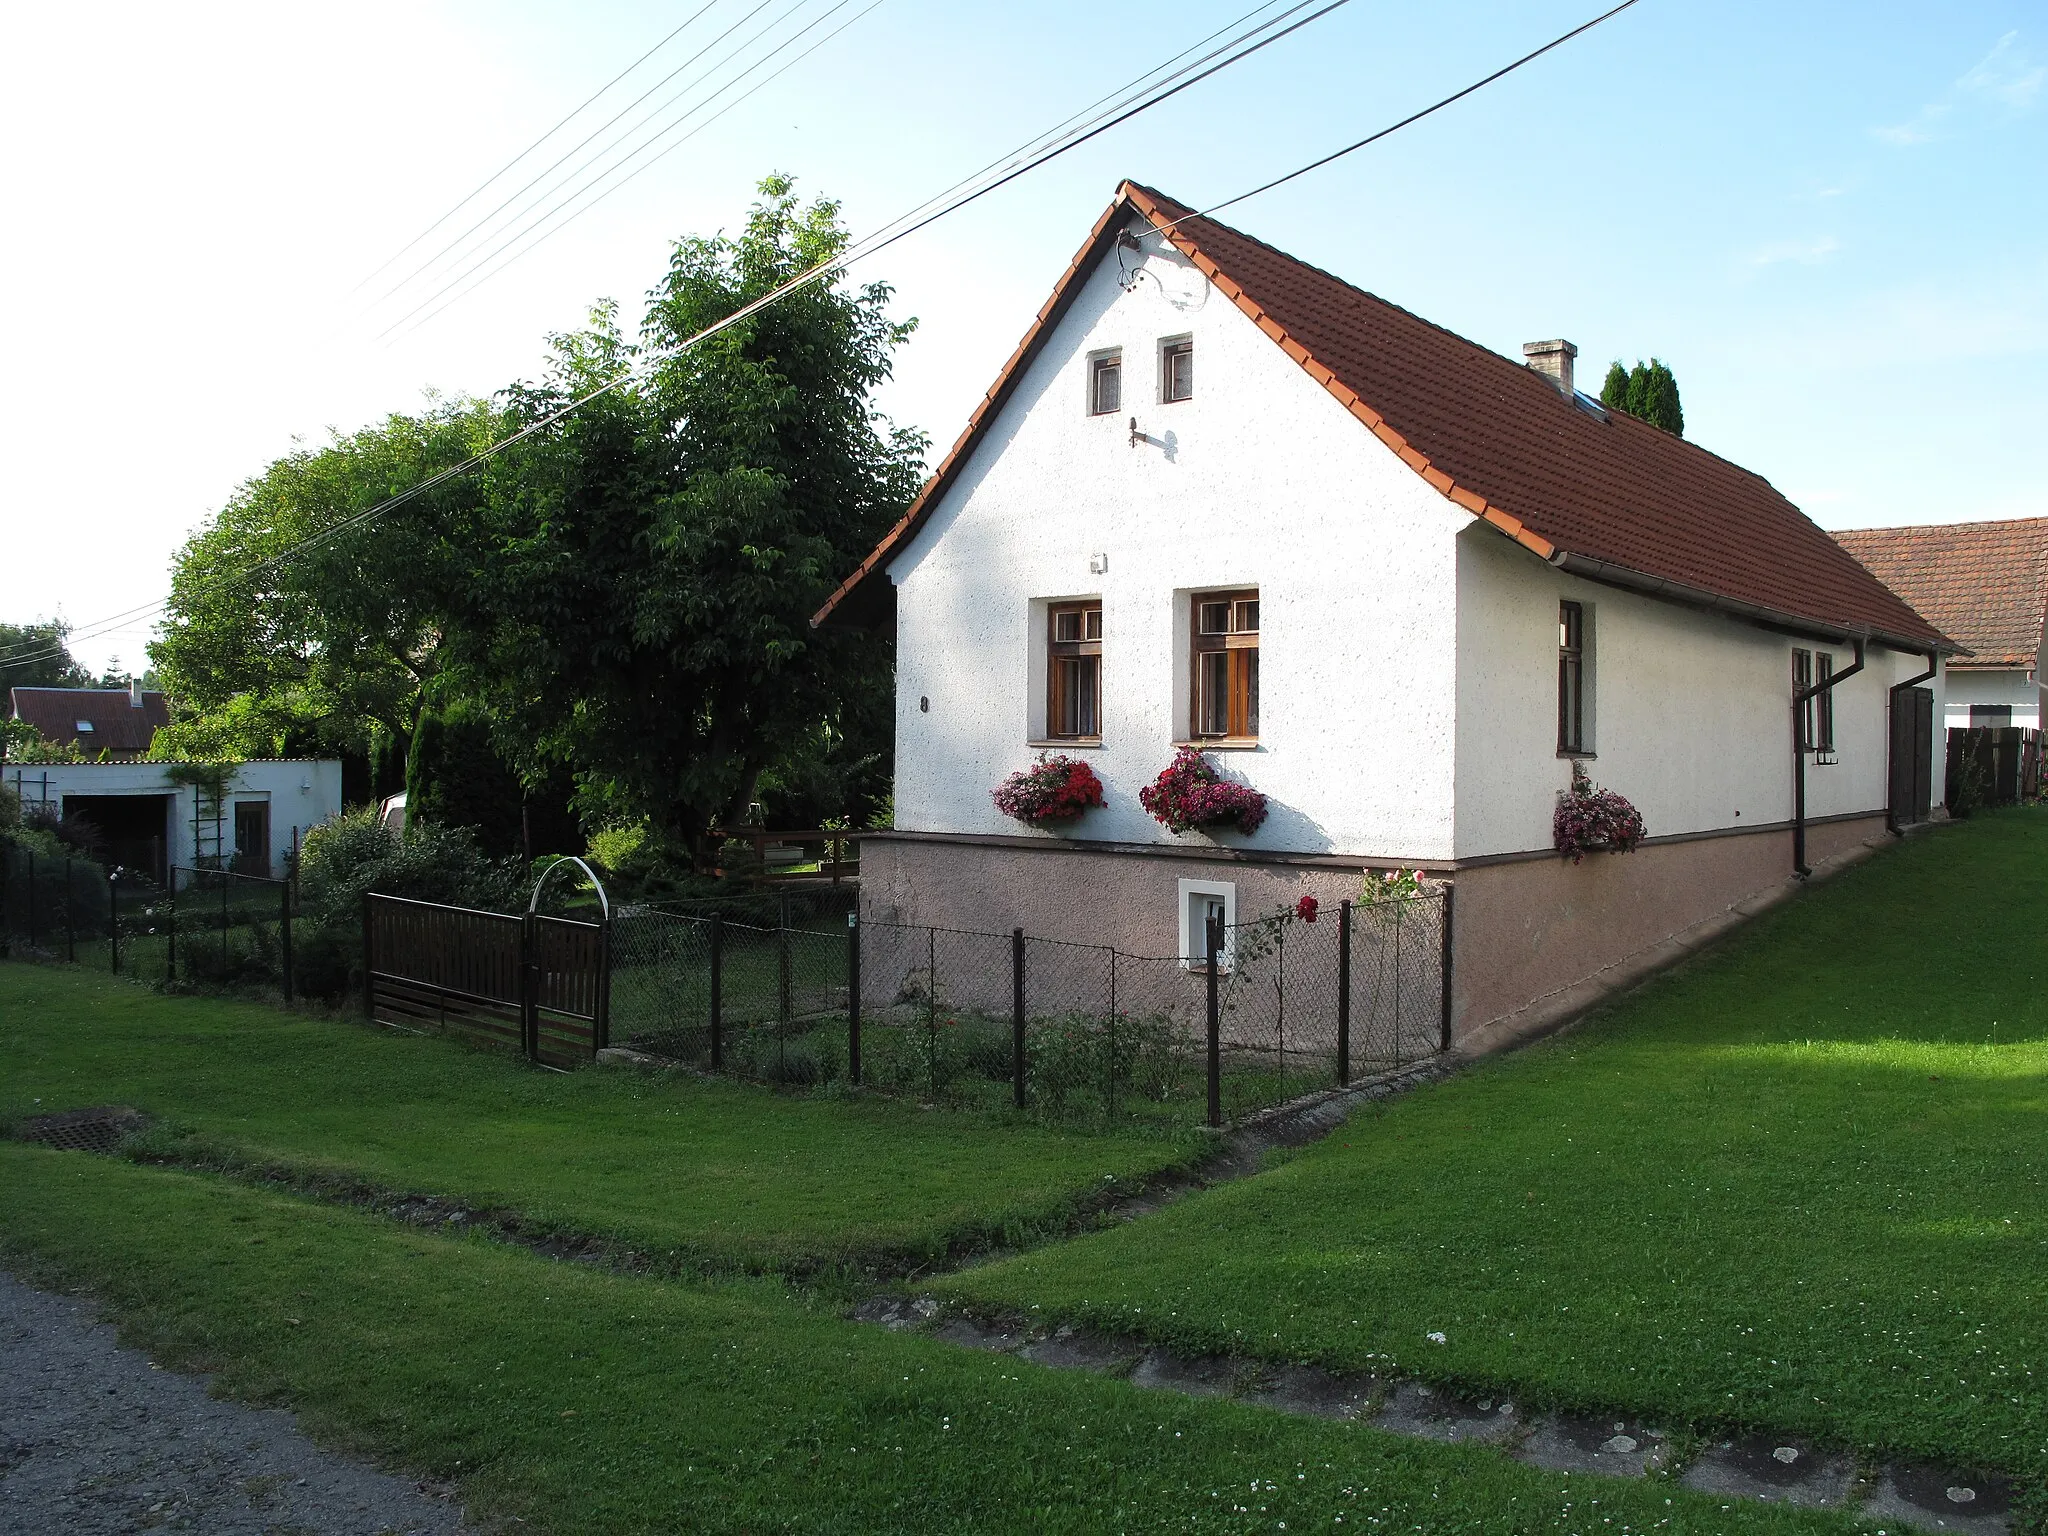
pixel 1552 359
pixel 135 692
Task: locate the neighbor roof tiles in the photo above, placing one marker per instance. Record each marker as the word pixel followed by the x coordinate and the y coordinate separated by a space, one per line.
pixel 1983 584
pixel 118 726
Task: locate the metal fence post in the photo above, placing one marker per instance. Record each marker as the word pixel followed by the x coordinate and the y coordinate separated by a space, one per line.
pixel 853 996
pixel 1215 948
pixel 1444 1027
pixel 369 963
pixel 70 926
pixel 782 994
pixel 223 877
pixel 529 986
pixel 1017 1016
pixel 31 901
pixel 717 991
pixel 1344 994
pixel 284 935
pixel 171 923
pixel 114 920
pixel 601 1026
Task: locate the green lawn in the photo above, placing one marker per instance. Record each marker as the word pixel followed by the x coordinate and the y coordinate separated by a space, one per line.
pixel 715 1172
pixel 1801 1183
pixel 582 1401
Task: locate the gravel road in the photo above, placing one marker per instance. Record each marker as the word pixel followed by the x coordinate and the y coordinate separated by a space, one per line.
pixel 93 1438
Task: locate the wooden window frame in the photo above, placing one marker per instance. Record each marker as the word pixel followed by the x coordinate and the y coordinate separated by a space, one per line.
pixel 1060 659
pixel 1100 364
pixel 1239 645
pixel 1802 679
pixel 1170 349
pixel 1571 679
pixel 1824 703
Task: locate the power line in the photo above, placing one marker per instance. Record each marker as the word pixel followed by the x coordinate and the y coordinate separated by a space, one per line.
pixel 550 169
pixel 536 144
pixel 655 138
pixel 1413 117
pixel 1052 134
pixel 1222 59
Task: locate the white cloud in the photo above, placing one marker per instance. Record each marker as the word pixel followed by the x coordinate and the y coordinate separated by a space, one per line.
pixel 2006 81
pixel 1805 253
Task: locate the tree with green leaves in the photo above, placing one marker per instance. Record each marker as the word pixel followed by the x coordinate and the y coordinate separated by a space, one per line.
pixel 37 655
pixel 288 631
pixel 1648 393
pixel 643 613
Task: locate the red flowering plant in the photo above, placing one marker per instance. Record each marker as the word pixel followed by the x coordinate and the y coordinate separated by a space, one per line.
pixel 1590 818
pixel 1053 789
pixel 1190 794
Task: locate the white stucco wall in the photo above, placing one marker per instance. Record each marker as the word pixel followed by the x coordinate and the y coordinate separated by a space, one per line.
pixel 1260 480
pixel 1689 712
pixel 2016 689
pixel 301 793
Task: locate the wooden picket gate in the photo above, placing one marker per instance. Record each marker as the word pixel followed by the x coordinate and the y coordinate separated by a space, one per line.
pixel 540 985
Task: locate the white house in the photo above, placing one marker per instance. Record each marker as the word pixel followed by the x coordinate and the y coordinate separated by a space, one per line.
pixel 150 819
pixel 1986 586
pixel 1397 583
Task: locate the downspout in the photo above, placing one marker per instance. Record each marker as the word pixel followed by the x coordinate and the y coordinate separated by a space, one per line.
pixel 1799 751
pixel 1891 815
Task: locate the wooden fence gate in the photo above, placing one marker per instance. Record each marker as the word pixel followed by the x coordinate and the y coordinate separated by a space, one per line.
pixel 538 984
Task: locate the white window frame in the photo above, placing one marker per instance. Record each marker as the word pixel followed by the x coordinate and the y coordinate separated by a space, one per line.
pixel 1193 952
pixel 1168 345
pixel 1095 360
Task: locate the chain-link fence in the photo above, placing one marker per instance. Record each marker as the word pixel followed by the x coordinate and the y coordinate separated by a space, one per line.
pixel 205 927
pixel 1062 1030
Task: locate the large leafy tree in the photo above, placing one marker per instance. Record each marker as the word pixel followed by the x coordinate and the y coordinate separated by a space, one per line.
pixel 282 632
pixel 654 560
pixel 37 656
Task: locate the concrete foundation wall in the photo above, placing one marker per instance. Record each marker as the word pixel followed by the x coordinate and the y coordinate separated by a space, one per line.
pixel 1528 928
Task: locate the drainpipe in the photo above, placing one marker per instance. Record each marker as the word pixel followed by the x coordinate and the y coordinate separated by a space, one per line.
pixel 1891 815
pixel 1799 751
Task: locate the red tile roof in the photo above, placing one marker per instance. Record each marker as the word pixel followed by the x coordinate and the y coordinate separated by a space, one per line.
pixel 1984 584
pixel 1605 495
pixel 117 725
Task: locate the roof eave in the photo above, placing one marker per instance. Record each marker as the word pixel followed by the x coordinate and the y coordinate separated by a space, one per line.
pixel 1609 574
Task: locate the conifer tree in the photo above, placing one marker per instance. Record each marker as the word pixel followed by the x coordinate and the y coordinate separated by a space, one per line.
pixel 1614 391
pixel 1646 392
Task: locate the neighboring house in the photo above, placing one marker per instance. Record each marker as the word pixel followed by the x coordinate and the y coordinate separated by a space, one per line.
pixel 1985 585
pixel 1438 579
pixel 117 721
pixel 148 820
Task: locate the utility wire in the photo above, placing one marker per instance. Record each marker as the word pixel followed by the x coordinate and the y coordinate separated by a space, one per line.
pixel 536 144
pixel 642 148
pixel 1052 134
pixel 1413 117
pixel 792 285
pixel 549 170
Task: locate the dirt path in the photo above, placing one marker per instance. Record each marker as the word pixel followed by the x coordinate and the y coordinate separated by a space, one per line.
pixel 94 1438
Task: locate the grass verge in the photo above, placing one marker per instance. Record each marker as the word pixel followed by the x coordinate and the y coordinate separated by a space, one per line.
pixel 1798 1184
pixel 583 1401
pixel 714 1173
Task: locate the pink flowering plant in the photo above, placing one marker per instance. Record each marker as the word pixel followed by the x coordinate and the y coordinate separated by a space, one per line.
pixel 1380 887
pixel 1189 795
pixel 1590 818
pixel 1053 789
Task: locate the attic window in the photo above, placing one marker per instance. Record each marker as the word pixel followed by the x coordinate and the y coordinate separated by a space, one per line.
pixel 85 725
pixel 1106 384
pixel 1177 369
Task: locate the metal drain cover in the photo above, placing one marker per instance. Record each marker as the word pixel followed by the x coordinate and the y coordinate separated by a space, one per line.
pixel 84 1130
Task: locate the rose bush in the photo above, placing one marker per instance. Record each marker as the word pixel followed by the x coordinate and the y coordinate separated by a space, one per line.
pixel 1590 818
pixel 1190 794
pixel 1053 789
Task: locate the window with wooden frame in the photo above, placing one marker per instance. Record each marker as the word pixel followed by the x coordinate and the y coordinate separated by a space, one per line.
pixel 1177 369
pixel 1073 671
pixel 1802 679
pixel 1224 675
pixel 1571 679
pixel 1824 705
pixel 1106 384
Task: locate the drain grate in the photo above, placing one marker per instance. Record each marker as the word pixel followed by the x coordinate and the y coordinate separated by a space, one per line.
pixel 84 1130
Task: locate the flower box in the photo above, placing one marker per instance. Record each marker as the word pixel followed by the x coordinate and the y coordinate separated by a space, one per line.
pixel 1189 795
pixel 1053 790
pixel 1590 819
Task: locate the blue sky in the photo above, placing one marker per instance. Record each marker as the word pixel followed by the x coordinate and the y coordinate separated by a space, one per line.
pixel 1828 219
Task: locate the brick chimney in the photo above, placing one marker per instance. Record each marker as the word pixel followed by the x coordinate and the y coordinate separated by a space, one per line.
pixel 1552 359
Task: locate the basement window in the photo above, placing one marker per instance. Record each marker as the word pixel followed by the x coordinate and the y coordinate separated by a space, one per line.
pixel 1202 901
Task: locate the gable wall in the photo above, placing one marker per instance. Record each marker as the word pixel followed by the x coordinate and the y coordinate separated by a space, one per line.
pixel 1261 479
pixel 1691 712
